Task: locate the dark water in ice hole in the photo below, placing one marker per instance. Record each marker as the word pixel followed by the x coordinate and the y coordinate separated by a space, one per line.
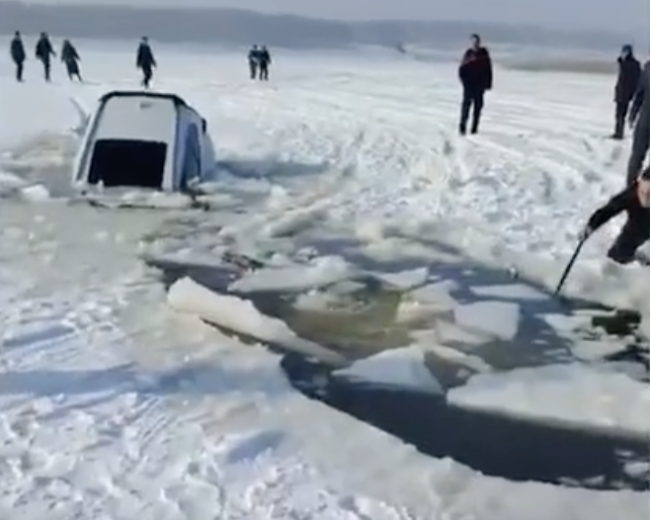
pixel 492 444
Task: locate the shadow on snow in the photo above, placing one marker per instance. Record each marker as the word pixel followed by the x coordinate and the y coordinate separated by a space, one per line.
pixel 271 168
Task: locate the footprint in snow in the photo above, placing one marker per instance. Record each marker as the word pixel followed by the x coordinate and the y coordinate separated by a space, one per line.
pixel 247 448
pixel 364 509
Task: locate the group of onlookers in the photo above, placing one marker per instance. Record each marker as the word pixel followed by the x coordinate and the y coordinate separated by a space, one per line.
pixel 631 97
pixel 259 59
pixel 44 52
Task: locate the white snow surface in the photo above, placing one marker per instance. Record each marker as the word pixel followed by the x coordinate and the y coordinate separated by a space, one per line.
pixel 114 406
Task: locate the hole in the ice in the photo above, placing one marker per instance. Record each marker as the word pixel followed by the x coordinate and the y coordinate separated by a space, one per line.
pixel 492 444
pixel 489 443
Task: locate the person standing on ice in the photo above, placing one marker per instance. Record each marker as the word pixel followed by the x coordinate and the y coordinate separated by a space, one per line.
pixel 264 62
pixel 145 61
pixel 635 200
pixel 475 73
pixel 70 57
pixel 640 121
pixel 18 55
pixel 44 53
pixel 629 71
pixel 253 61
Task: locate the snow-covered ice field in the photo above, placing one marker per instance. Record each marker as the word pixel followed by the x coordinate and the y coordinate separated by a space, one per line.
pixel 114 405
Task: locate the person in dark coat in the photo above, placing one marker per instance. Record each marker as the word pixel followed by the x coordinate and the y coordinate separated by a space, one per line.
pixel 44 53
pixel 635 201
pixel 640 121
pixel 145 61
pixel 475 73
pixel 253 61
pixel 264 62
pixel 18 55
pixel 629 71
pixel 70 58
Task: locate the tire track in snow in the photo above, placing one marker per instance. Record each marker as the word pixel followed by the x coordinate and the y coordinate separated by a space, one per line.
pixel 417 164
pixel 388 149
pixel 382 144
pixel 398 119
pixel 397 115
pixel 509 181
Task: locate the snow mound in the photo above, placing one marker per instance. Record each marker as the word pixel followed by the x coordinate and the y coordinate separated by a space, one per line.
pixel 594 397
pixel 35 193
pixel 10 183
pixel 241 316
pixel 402 368
pixel 127 197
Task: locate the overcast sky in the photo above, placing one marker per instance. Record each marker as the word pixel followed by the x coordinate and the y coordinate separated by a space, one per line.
pixel 616 15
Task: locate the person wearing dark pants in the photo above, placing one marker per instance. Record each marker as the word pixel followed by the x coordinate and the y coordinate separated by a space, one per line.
pixel 473 101
pixel 44 53
pixel 475 73
pixel 635 200
pixel 253 59
pixel 18 55
pixel 70 58
pixel 145 61
pixel 264 59
pixel 629 71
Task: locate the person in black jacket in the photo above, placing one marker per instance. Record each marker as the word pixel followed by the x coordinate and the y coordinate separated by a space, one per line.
pixel 635 200
pixel 44 52
pixel 145 61
pixel 640 121
pixel 70 58
pixel 18 55
pixel 629 71
pixel 253 60
pixel 475 73
pixel 264 58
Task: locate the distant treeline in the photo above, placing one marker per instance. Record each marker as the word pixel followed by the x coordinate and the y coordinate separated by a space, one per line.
pixel 240 27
